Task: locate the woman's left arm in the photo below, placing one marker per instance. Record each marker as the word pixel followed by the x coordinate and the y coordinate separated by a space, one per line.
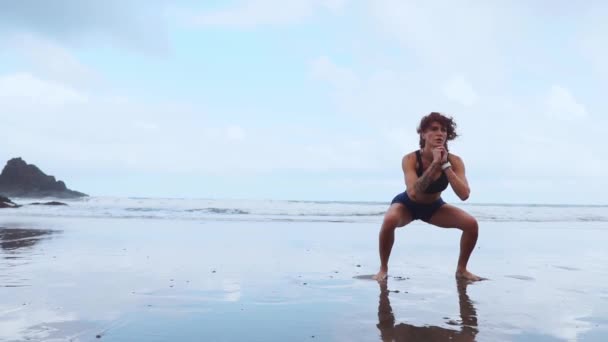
pixel 456 177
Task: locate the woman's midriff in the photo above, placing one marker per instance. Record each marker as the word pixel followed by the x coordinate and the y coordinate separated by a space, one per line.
pixel 427 198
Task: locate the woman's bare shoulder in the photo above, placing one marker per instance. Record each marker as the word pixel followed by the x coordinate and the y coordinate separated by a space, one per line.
pixel 453 158
pixel 409 156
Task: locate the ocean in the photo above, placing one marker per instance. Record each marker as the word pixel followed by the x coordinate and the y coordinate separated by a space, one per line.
pixel 291 211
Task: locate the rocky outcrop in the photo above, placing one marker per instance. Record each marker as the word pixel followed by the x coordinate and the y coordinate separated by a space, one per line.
pixel 5 202
pixel 48 203
pixel 19 179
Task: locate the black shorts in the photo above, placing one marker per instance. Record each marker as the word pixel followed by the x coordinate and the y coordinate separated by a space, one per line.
pixel 419 211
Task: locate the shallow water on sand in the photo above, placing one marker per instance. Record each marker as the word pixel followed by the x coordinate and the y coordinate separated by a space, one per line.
pixel 76 279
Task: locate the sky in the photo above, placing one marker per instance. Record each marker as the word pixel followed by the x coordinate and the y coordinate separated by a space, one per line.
pixel 305 99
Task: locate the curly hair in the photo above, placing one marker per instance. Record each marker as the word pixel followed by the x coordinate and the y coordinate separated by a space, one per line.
pixel 443 120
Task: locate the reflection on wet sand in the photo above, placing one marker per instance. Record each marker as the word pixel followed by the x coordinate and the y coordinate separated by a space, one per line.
pixel 407 332
pixel 12 239
pixel 16 250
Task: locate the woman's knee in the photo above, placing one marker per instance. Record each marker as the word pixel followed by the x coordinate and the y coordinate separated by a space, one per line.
pixel 391 220
pixel 470 225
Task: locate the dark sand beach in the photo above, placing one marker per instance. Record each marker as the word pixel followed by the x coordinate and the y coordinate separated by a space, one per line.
pixel 78 279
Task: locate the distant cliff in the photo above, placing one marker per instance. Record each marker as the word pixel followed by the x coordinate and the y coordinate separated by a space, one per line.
pixel 19 179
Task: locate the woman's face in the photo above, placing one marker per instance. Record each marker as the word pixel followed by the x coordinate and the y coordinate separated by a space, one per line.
pixel 435 135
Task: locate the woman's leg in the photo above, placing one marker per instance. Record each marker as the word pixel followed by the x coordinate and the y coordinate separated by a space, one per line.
pixel 448 216
pixel 396 216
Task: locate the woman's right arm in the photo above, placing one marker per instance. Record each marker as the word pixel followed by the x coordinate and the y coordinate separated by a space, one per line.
pixel 416 185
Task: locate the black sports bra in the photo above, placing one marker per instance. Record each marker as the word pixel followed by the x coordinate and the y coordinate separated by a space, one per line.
pixel 439 184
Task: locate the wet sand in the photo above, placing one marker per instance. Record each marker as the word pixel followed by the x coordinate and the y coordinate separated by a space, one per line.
pixel 159 280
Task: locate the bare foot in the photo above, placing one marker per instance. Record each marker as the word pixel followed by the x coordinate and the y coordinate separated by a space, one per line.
pixel 466 275
pixel 381 276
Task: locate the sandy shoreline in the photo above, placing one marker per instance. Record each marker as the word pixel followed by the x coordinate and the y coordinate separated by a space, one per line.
pixel 157 280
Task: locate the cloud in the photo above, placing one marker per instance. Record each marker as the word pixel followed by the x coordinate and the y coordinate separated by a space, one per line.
pixel 459 90
pixel 87 130
pixel 23 89
pixel 592 37
pixel 254 13
pixel 225 134
pixel 341 78
pixel 134 24
pixel 235 133
pixel 471 62
pixel 561 104
pixel 378 94
pixel 446 35
pixel 50 60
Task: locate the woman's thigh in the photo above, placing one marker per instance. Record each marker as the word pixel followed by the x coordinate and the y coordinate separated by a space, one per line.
pixel 448 216
pixel 398 215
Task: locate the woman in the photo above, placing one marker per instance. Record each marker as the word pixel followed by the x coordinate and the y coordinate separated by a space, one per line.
pixel 428 172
